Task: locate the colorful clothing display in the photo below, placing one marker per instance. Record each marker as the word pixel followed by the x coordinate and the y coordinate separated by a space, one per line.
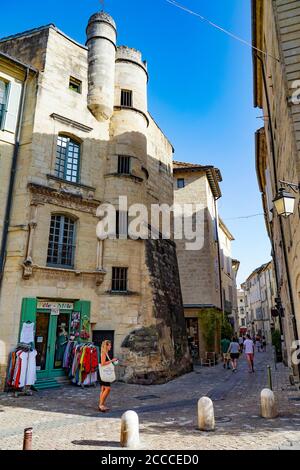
pixel 22 367
pixel 81 361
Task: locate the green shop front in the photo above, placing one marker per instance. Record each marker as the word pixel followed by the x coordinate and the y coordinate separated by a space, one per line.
pixel 55 322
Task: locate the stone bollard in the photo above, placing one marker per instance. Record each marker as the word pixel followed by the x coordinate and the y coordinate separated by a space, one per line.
pixel 206 415
pixel 130 434
pixel 268 404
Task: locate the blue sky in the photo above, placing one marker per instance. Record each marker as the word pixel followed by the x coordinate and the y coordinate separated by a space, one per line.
pixel 200 90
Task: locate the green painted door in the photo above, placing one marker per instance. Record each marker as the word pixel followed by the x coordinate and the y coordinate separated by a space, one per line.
pixel 51 334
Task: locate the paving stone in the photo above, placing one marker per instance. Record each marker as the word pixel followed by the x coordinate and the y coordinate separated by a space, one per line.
pixel 68 418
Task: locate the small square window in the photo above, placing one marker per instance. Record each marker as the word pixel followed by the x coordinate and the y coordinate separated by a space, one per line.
pixel 180 183
pixel 75 84
pixel 126 98
pixel 119 279
pixel 124 165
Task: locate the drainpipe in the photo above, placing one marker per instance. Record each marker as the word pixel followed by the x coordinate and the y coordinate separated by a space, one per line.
pixel 9 201
pixel 291 296
pixel 219 256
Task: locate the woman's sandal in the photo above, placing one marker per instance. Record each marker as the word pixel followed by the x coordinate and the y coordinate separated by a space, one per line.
pixel 103 409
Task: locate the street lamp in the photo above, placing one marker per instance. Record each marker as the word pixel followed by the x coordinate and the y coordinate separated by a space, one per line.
pixel 285 201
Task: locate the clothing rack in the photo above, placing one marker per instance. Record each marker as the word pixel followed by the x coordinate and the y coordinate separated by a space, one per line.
pixel 88 382
pixel 89 376
pixel 75 366
pixel 26 389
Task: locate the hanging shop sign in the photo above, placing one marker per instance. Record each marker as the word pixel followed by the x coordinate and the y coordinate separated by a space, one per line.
pixel 54 311
pixel 44 304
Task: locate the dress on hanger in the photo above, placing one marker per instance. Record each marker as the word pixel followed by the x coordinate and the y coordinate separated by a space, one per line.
pixel 27 333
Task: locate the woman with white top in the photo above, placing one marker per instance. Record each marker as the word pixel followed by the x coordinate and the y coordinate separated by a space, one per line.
pixel 249 351
pixel 234 350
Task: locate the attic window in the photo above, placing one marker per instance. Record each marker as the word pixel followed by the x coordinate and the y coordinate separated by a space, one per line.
pixel 75 85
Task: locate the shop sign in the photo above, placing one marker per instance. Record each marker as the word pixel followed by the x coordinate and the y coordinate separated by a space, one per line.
pixel 44 304
pixel 54 311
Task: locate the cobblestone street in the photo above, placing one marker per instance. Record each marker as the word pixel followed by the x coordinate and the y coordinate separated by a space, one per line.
pixel 67 418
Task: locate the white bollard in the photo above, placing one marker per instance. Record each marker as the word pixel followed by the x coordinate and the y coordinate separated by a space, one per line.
pixel 130 434
pixel 206 415
pixel 268 404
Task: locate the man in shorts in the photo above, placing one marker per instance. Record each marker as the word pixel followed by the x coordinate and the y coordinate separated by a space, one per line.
pixel 249 351
pixel 224 347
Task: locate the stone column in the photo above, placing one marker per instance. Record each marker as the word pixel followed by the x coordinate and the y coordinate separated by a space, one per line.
pixel 206 415
pixel 268 404
pixel 130 436
pixel 100 250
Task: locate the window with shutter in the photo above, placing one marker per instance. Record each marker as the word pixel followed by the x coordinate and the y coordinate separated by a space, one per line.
pixel 12 107
pixel 3 100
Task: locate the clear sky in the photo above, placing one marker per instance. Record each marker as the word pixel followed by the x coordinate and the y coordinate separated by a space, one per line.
pixel 200 90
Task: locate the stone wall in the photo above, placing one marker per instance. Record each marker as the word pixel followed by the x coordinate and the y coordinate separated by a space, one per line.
pixel 52 109
pixel 164 342
pixel 198 269
pixel 278 23
pixel 28 49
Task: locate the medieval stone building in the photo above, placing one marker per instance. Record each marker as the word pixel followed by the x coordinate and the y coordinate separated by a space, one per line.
pixel 207 270
pixel 276 31
pixel 75 133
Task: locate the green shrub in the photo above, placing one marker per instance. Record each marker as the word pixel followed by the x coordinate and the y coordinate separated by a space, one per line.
pixel 227 330
pixel 276 341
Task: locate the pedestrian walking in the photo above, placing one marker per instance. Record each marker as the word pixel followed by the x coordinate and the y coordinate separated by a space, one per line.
pixel 241 343
pixel 249 351
pixel 234 350
pixel 258 343
pixel 264 344
pixel 107 374
pixel 225 343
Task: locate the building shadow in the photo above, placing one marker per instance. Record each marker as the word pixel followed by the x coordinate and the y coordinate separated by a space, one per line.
pixel 96 443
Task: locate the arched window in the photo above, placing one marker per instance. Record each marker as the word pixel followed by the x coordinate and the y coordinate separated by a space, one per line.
pixel 67 159
pixel 61 247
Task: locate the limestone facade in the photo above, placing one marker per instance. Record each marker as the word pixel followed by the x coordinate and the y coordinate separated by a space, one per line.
pixel 17 85
pixel 200 267
pixel 276 30
pixel 229 270
pixel 241 300
pixel 259 290
pixel 70 99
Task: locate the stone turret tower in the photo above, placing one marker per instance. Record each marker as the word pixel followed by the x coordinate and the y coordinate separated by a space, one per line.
pixel 151 334
pixel 101 42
